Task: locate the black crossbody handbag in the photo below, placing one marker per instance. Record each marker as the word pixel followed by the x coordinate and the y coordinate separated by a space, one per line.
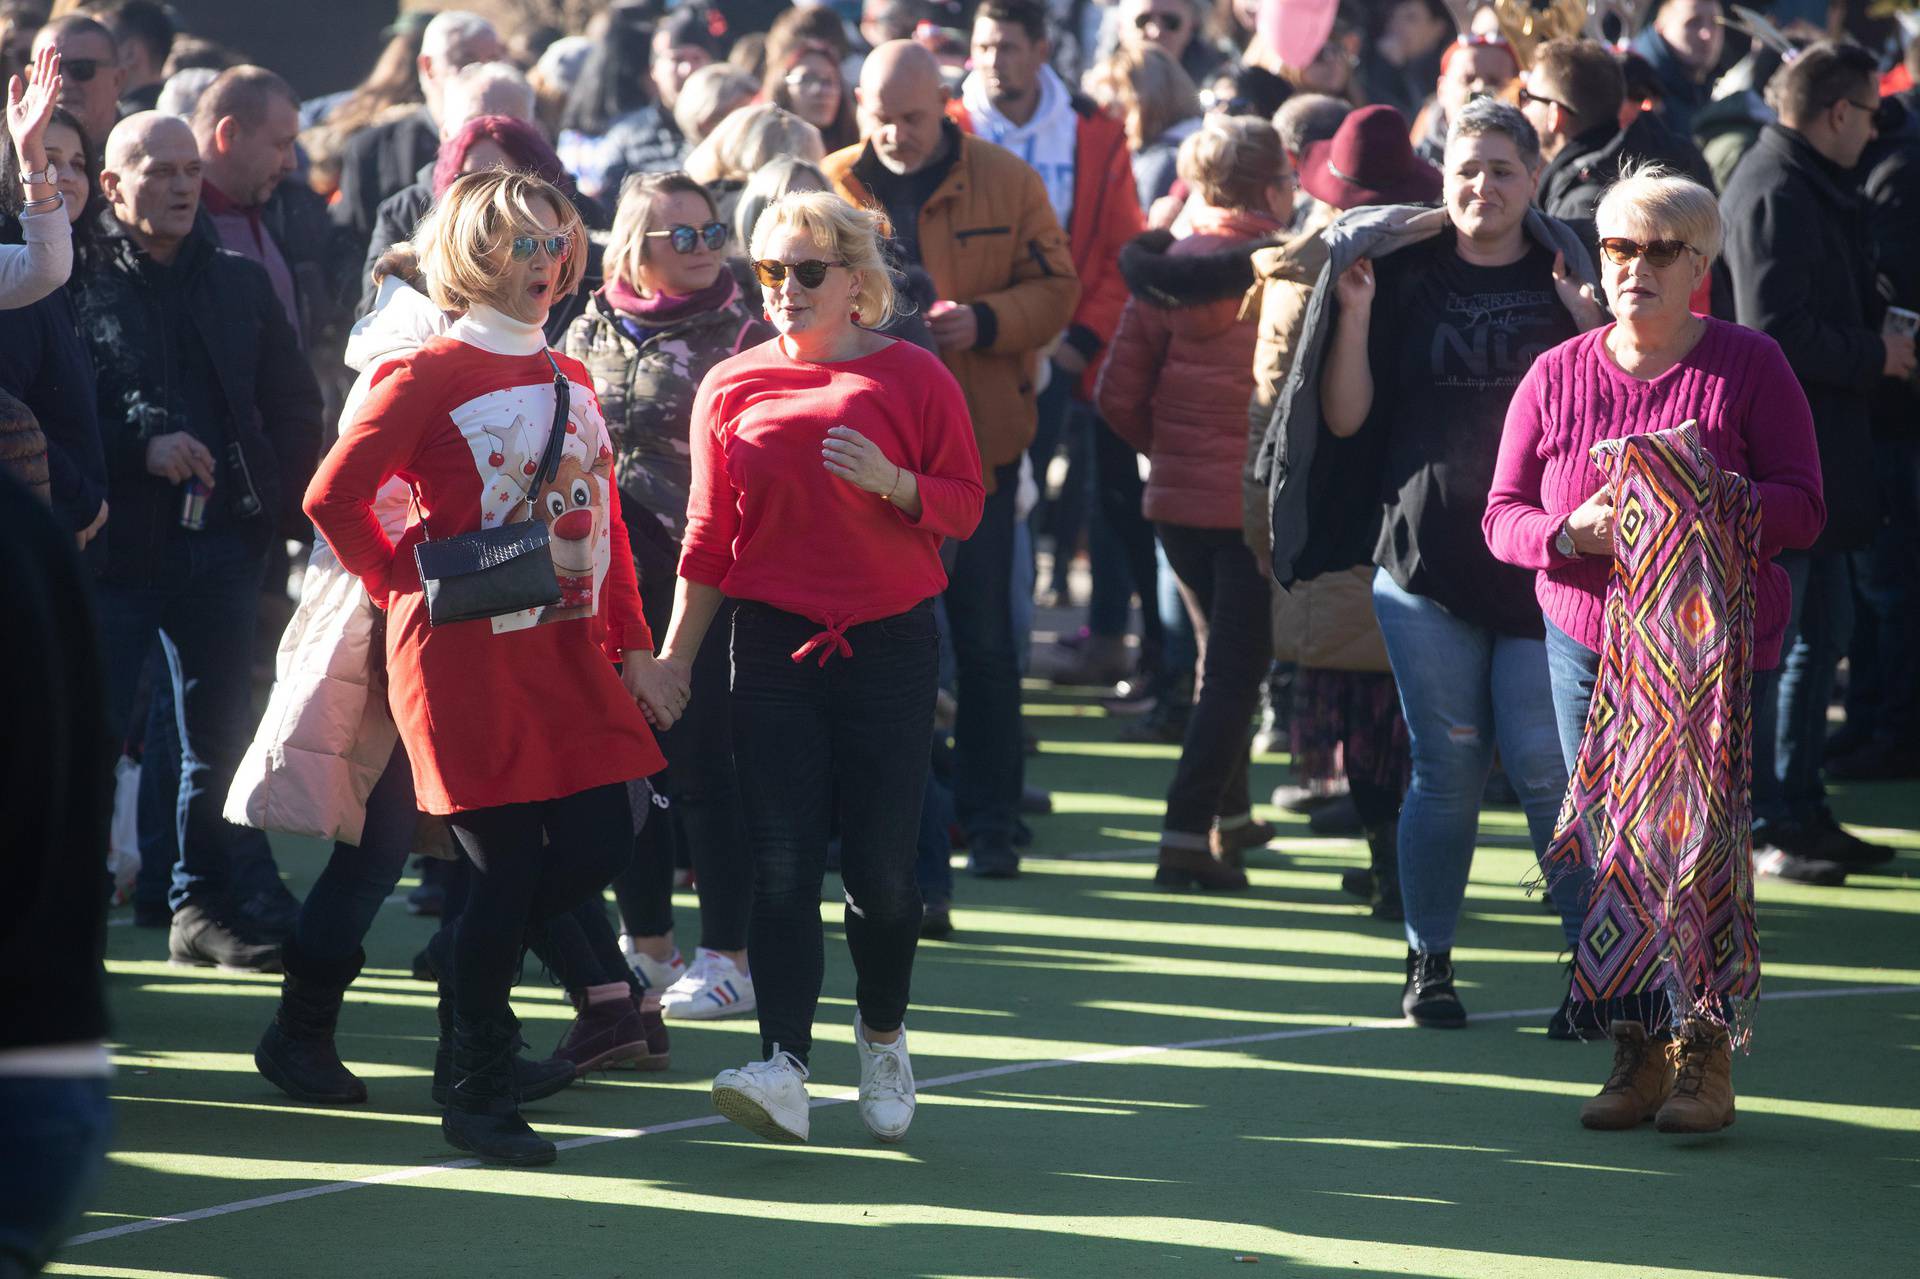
pixel 492 571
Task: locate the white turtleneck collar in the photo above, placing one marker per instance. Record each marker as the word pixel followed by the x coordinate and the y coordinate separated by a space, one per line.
pixel 498 332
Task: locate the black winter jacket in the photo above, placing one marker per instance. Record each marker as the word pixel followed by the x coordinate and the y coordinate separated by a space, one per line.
pixel 266 387
pixel 1802 270
pixel 1892 188
pixel 44 363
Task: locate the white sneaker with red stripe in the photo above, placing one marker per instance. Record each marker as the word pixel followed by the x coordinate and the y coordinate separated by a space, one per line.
pixel 713 986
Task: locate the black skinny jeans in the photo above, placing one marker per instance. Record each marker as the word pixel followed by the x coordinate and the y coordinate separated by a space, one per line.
pixel 703 805
pixel 531 862
pixel 842 747
pixel 1227 596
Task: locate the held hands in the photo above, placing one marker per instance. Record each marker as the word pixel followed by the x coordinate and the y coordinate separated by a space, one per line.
pixel 30 106
pixel 660 686
pixel 1591 524
pixel 1354 289
pixel 1900 360
pixel 851 456
pixel 178 457
pixel 1579 299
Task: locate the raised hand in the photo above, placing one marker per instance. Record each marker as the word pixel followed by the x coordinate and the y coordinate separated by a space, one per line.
pixel 1354 289
pixel 30 107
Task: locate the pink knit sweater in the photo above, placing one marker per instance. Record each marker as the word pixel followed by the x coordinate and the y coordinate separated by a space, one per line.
pixel 1753 419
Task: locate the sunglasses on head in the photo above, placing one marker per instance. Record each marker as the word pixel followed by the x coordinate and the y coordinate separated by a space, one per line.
pixel 686 239
pixel 1171 23
pixel 812 273
pixel 1620 251
pixel 555 245
pixel 80 70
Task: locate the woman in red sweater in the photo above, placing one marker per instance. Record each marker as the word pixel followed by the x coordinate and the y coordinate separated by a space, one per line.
pixel 828 464
pixel 1175 386
pixel 519 729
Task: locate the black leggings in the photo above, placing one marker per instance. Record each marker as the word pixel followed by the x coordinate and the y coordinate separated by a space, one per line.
pixel 531 862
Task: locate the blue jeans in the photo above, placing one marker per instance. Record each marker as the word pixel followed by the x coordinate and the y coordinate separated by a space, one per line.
pixel 1465 690
pixel 1790 704
pixel 203 608
pixel 1572 668
pixel 358 879
pixel 845 747
pixel 989 758
pixel 56 1143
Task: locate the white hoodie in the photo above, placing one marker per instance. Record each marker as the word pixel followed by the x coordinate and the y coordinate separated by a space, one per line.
pixel 1048 142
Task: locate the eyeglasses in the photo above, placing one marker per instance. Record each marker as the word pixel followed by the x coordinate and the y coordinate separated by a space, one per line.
pixel 1171 23
pixel 686 239
pixel 555 245
pixel 1528 95
pixel 811 274
pixel 1659 253
pixel 80 70
pixel 804 82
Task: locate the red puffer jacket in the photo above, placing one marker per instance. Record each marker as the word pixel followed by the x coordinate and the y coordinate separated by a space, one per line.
pixel 1179 371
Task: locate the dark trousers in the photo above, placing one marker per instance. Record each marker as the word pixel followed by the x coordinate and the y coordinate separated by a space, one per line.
pixel 841 748
pixel 56 1143
pixel 989 760
pixel 1225 593
pixel 531 862
pixel 357 879
pixel 701 813
pixel 1790 704
pixel 1883 685
pixel 202 609
pixel 1121 531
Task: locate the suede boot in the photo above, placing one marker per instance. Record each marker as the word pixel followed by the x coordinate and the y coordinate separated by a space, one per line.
pixel 606 1029
pixel 1231 844
pixel 483 1103
pixel 1640 1081
pixel 1702 1099
pixel 1197 867
pixel 536 1080
pixel 297 1053
pixel 659 1053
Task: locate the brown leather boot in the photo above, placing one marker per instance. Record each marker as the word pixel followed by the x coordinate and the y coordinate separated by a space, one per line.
pixel 1641 1079
pixel 1702 1099
pixel 1197 867
pixel 1231 844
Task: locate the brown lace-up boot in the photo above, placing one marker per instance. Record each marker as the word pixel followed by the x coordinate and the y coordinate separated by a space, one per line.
pixel 1702 1099
pixel 1641 1080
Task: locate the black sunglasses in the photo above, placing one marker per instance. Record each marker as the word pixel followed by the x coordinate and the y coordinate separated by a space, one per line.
pixel 80 70
pixel 686 239
pixel 1660 253
pixel 812 273
pixel 1528 95
pixel 1171 23
pixel 555 245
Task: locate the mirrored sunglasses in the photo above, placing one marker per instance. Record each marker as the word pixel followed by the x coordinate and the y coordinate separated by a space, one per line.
pixel 686 239
pixel 1660 253
pixel 555 245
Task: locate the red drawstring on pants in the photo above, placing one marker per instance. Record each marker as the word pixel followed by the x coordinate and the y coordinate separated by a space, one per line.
pixel 830 641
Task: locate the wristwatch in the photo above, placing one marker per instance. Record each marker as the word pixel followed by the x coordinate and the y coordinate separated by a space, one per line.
pixel 48 178
pixel 1563 542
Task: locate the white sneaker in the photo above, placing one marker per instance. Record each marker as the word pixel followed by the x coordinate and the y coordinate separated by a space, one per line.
pixel 886 1085
pixel 713 986
pixel 767 1098
pixel 654 974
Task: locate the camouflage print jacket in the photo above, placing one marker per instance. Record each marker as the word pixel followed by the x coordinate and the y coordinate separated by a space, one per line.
pixel 646 387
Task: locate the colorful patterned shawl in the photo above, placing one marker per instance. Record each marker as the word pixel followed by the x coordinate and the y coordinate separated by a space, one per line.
pixel 1660 802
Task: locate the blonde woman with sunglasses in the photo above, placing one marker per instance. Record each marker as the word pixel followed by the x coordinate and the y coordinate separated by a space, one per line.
pixel 669 312
pixel 828 465
pixel 1657 366
pixel 520 731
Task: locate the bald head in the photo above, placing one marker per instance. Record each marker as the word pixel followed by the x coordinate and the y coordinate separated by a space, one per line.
pixel 900 106
pixel 151 180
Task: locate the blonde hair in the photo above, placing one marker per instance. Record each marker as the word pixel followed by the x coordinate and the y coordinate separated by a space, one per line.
pixel 1233 161
pixel 745 141
pixel 1661 204
pixel 1147 88
pixel 639 194
pixel 466 237
pixel 846 233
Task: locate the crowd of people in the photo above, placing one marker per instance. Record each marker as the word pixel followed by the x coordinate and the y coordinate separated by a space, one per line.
pixel 649 444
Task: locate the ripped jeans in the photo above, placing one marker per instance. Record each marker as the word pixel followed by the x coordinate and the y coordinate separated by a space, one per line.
pixel 1466 690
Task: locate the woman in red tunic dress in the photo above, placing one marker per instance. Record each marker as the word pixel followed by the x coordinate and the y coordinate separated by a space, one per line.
pixel 520 731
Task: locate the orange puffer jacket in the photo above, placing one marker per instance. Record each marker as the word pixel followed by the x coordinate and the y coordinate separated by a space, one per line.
pixel 1180 369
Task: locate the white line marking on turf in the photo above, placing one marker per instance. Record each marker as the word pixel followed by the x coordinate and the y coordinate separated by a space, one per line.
pixel 944 1081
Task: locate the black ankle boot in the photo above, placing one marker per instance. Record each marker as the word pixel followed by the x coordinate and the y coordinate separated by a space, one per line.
pixel 534 1080
pixel 1383 849
pixel 297 1053
pixel 1428 998
pixel 483 1103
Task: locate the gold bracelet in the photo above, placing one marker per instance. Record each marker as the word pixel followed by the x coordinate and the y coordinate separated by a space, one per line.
pixel 898 471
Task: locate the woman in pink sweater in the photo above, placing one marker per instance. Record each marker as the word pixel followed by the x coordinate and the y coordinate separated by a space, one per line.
pixel 1655 820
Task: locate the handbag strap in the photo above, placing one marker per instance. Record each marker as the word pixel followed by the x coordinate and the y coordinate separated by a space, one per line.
pixel 549 458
